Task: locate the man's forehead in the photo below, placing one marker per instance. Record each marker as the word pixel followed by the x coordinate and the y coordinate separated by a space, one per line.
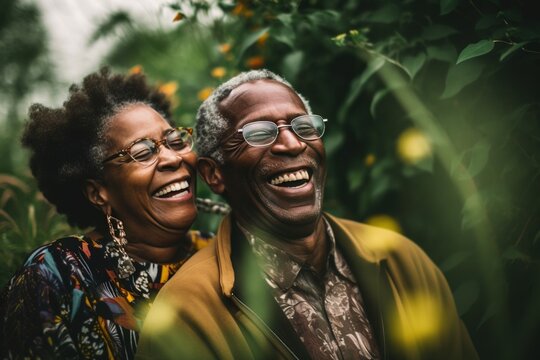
pixel 259 91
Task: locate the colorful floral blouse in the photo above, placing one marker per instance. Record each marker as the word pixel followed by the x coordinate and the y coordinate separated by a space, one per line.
pixel 67 301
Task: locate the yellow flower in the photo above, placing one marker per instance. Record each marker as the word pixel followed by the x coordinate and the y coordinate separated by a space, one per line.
pixel 224 48
pixel 262 39
pixel 169 88
pixel 205 93
pixel 369 160
pixel 413 146
pixel 218 72
pixel 137 69
pixel 255 62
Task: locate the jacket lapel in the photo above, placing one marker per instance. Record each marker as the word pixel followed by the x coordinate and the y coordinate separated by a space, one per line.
pixel 251 288
pixel 372 280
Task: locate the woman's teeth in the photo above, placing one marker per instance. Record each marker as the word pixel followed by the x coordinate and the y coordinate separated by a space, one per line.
pixel 171 188
pixel 299 175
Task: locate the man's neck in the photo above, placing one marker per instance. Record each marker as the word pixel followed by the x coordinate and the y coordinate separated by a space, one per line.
pixel 311 249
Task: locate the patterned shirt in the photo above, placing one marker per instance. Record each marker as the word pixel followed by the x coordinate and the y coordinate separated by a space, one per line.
pixel 67 301
pixel 327 310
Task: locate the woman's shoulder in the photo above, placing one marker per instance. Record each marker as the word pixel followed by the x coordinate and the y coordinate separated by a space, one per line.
pixel 200 239
pixel 57 250
pixel 54 261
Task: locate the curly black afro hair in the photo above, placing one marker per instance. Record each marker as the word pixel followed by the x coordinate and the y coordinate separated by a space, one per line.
pixel 67 144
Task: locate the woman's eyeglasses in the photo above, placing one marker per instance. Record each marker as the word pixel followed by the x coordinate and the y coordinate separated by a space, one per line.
pixel 264 133
pixel 145 150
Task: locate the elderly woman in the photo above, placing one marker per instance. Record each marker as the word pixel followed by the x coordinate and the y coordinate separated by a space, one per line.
pixel 109 159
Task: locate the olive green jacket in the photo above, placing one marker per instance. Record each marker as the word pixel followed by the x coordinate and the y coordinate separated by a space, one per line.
pixel 217 306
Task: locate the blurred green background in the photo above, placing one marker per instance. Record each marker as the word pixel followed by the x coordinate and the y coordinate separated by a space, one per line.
pixel 433 131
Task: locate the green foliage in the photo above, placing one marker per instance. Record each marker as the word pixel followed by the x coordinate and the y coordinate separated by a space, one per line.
pixel 434 123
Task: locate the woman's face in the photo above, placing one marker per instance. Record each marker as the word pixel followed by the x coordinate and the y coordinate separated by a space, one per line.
pixel 151 200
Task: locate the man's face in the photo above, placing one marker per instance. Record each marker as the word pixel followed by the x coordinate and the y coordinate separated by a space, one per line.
pixel 255 178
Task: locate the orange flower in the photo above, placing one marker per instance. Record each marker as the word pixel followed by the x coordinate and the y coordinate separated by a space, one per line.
pixel 205 93
pixel 255 62
pixel 218 72
pixel 224 48
pixel 169 88
pixel 242 10
pixel 137 69
pixel 262 39
pixel 179 16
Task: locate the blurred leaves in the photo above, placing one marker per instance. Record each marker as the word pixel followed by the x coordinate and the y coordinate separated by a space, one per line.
pixel 110 25
pixel 460 73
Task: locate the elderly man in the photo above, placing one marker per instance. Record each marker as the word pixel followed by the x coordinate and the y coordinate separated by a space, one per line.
pixel 284 279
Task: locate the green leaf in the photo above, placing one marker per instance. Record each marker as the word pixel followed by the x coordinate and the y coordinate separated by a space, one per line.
pixel 448 5
pixel 291 65
pixel 472 161
pixel 479 156
pixel 354 178
pixel 474 50
pixel 414 63
pixel 386 15
pixel 332 142
pixel 437 32
pixel 514 254
pixel 324 18
pixel 512 49
pixel 460 76
pixel 445 52
pixel 111 23
pixel 250 40
pixel 379 95
pixel 454 260
pixel 486 22
pixel 284 34
pixel 473 212
pixel 358 84
pixel 465 296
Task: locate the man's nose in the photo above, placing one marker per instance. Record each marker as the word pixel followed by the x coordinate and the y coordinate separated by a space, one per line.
pixel 288 142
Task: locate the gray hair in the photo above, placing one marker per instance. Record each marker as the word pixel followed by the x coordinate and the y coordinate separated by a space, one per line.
pixel 211 124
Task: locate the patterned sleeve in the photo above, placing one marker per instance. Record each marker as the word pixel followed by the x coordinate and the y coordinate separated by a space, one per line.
pixel 34 309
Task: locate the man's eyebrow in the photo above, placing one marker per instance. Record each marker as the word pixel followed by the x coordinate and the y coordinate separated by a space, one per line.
pixel 289 117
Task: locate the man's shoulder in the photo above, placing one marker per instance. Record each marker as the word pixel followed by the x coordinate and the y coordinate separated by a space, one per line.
pixel 375 242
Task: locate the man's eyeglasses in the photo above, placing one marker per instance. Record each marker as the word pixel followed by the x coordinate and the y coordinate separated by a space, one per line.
pixel 264 133
pixel 145 150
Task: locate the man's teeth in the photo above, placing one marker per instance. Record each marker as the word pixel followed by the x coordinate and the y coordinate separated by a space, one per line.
pixel 294 176
pixel 178 186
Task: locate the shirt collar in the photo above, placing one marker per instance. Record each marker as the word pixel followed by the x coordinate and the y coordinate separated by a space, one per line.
pixel 282 268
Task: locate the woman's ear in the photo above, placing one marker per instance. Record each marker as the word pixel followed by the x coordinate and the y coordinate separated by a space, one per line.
pixel 97 194
pixel 211 173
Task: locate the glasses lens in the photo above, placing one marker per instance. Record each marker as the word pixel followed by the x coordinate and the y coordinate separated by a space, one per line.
pixel 179 140
pixel 143 150
pixel 308 127
pixel 260 133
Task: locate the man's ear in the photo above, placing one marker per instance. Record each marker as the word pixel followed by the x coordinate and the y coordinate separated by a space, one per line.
pixel 97 194
pixel 211 173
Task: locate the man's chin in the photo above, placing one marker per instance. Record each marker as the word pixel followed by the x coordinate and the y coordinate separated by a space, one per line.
pixel 299 219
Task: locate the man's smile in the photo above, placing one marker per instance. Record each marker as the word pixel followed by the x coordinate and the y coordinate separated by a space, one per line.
pixel 291 179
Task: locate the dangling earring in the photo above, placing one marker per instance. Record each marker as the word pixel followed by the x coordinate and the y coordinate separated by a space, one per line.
pixel 116 229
